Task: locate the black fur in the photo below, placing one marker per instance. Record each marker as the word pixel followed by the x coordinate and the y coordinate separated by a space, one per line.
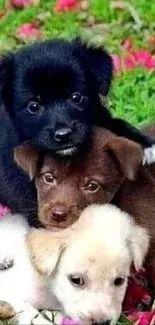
pixel 48 73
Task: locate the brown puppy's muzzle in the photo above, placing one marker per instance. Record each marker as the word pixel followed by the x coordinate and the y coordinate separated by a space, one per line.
pixel 58 215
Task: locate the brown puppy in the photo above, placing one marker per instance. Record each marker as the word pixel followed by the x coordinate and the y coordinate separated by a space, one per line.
pixel 111 171
pixel 64 188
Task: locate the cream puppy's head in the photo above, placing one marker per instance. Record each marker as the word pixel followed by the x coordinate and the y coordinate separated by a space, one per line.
pixel 88 264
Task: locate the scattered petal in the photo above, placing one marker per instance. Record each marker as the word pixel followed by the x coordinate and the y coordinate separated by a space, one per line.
pixel 69 321
pixel 84 5
pixel 127 44
pixel 28 31
pixel 66 5
pixel 118 5
pixel 143 318
pixel 43 16
pixel 117 63
pixel 23 3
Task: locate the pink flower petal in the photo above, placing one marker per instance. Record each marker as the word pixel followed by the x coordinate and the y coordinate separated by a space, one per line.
pixel 150 63
pixel 130 62
pixel 69 321
pixel 141 56
pixel 143 318
pixel 28 30
pixel 66 5
pixel 127 44
pixel 4 210
pixel 117 63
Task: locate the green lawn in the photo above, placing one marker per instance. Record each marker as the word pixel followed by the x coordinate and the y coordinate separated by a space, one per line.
pixel 133 93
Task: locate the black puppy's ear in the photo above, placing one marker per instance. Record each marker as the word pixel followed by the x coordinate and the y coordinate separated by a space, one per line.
pixel 6 65
pixel 100 64
pixel 26 156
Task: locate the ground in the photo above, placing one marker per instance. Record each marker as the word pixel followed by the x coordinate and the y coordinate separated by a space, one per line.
pixel 108 23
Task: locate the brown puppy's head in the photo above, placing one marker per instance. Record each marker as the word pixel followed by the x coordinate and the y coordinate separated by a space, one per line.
pixel 64 188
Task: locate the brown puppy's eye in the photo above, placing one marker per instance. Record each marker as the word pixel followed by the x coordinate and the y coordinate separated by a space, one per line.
pixel 76 280
pixel 34 108
pixel 48 178
pixel 119 281
pixel 93 186
pixel 77 98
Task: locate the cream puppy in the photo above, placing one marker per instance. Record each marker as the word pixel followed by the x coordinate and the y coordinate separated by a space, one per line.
pixel 87 265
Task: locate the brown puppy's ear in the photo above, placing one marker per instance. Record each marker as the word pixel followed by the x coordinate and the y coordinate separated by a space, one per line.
pixel 128 154
pixel 45 249
pixel 26 156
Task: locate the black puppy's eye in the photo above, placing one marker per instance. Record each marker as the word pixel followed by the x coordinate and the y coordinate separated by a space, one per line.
pixel 48 178
pixel 76 280
pixel 119 281
pixel 77 98
pixel 34 108
pixel 92 186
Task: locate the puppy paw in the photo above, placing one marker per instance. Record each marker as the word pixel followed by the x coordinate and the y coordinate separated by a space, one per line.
pixel 6 311
pixel 149 155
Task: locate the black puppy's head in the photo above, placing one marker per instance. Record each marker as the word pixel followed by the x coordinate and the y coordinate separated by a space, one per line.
pixel 51 92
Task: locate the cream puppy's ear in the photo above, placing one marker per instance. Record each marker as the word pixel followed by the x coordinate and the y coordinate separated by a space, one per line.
pixel 45 249
pixel 139 245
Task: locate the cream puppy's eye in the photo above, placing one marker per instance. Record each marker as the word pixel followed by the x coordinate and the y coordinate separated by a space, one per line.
pixel 48 178
pixel 76 280
pixel 119 281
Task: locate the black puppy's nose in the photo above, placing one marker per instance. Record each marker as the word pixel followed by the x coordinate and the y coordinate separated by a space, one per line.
pixel 63 134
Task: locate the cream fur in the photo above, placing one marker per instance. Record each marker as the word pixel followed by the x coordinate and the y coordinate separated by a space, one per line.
pixel 100 247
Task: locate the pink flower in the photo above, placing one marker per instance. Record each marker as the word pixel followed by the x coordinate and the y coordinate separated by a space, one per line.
pixel 117 63
pixel 69 321
pixel 66 5
pixel 23 3
pixel 143 318
pixel 28 30
pixel 4 210
pixel 127 44
pixel 130 61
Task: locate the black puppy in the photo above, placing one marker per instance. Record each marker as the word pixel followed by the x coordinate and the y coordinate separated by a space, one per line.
pixel 50 96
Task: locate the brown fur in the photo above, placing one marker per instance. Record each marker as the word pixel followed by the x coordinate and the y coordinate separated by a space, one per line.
pixel 116 163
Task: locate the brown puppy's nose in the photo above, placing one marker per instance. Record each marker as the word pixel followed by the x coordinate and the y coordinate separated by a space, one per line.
pixel 59 215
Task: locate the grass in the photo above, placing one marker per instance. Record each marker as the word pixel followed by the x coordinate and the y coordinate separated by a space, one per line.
pixel 133 93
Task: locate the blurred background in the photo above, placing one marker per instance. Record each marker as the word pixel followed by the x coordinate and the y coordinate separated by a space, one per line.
pixel 125 28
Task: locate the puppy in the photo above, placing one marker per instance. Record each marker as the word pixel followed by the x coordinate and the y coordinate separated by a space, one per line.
pixel 89 277
pixel 111 171
pixel 50 96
